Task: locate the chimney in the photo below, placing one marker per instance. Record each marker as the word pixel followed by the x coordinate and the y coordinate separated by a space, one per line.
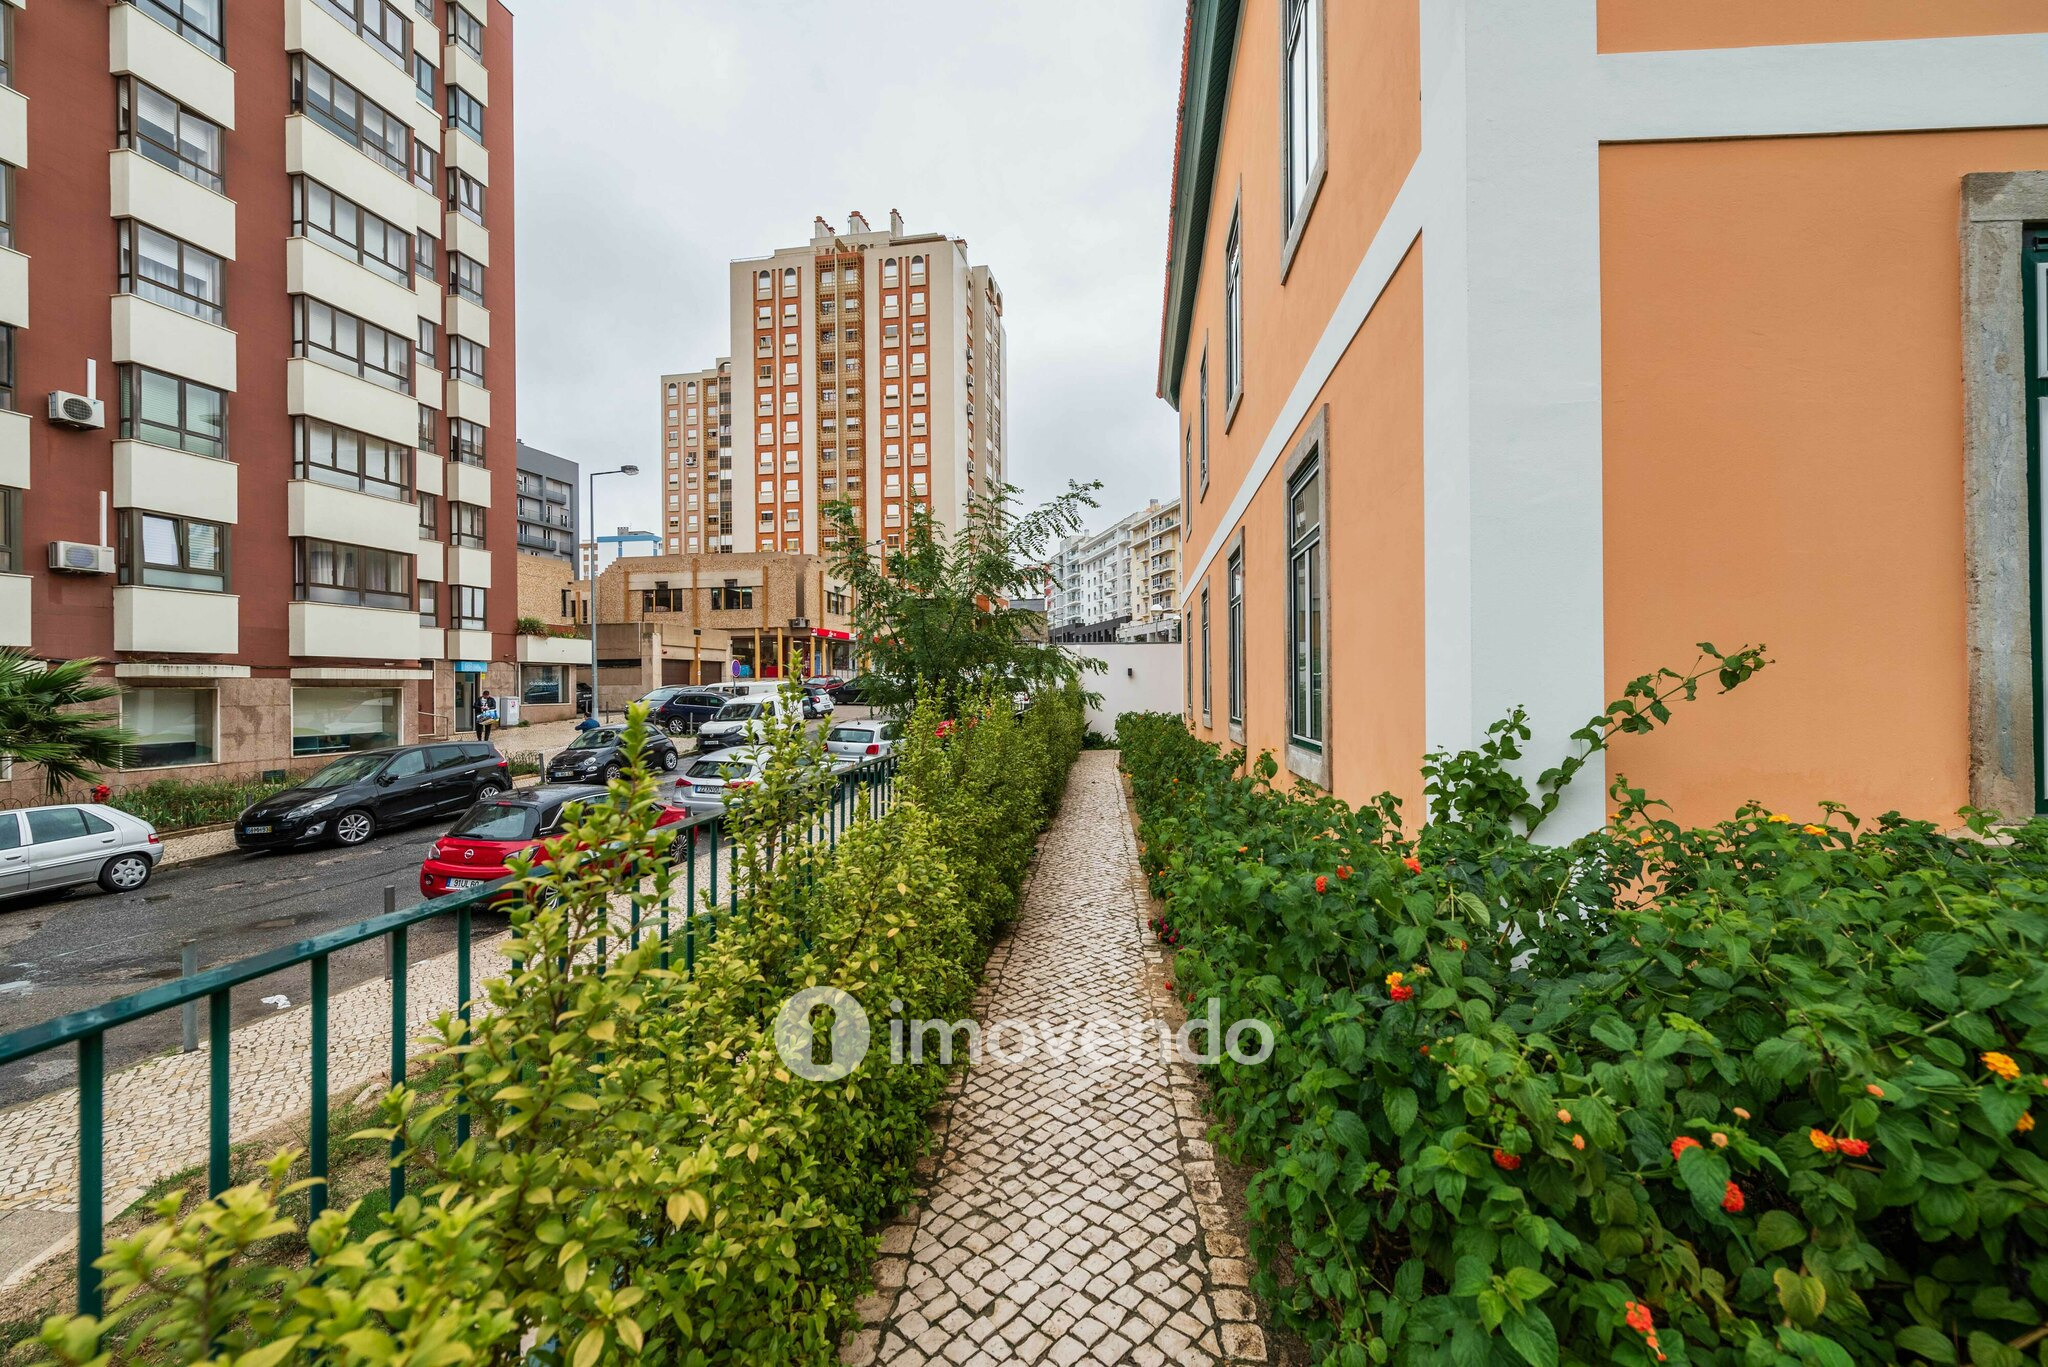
pixel 857 222
pixel 821 231
pixel 895 224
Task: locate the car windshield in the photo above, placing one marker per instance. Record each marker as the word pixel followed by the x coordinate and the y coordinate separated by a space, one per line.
pixel 858 734
pixel 740 711
pixel 343 772
pixel 719 768
pixel 498 821
pixel 594 740
pixel 661 695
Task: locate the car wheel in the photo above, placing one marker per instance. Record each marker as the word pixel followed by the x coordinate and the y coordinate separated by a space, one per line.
pixel 354 826
pixel 490 787
pixel 669 760
pixel 679 849
pixel 126 872
pixel 612 771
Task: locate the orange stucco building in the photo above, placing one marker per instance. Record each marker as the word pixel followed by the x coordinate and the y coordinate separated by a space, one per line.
pixel 1519 347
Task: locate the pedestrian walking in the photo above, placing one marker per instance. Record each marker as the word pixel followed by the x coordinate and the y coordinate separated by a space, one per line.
pixel 486 715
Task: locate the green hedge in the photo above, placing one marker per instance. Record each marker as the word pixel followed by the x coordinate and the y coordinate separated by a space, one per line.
pixel 1757 1093
pixel 644 1180
pixel 176 805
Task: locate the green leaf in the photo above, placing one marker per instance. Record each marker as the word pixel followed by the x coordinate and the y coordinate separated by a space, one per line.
pixel 1986 1351
pixel 1470 1277
pixel 1705 1176
pixel 1532 1335
pixel 1803 1298
pixel 1527 1283
pixel 1778 1229
pixel 1402 1108
pixel 1613 1032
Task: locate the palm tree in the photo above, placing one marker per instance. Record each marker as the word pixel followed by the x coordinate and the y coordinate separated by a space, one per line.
pixel 45 721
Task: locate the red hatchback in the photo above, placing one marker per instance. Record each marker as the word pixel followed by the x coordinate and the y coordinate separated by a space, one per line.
pixel 479 847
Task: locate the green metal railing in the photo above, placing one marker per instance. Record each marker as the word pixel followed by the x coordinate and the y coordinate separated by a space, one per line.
pixel 870 785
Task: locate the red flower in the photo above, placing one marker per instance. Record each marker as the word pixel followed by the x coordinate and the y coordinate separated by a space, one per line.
pixel 1732 1201
pixel 1343 871
pixel 1682 1143
pixel 1505 1161
pixel 1169 984
pixel 1414 864
pixel 1322 883
pixel 1855 1148
pixel 1639 1318
pixel 1401 994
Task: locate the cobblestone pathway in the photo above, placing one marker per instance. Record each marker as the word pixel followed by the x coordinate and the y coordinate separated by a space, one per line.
pixel 1073 1213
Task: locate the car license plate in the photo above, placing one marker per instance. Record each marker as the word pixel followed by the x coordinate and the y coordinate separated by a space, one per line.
pixel 464 884
pixel 257 830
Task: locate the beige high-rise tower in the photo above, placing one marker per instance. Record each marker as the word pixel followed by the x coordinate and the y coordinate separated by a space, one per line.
pixel 866 365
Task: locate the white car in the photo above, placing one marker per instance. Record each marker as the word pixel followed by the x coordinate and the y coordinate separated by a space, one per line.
pixel 860 741
pixel 710 782
pixel 66 846
pixel 741 721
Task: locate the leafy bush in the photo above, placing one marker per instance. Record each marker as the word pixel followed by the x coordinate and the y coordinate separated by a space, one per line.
pixel 644 1178
pixel 176 805
pixel 1761 1092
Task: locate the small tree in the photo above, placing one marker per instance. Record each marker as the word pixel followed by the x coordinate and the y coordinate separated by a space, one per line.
pixel 934 616
pixel 44 719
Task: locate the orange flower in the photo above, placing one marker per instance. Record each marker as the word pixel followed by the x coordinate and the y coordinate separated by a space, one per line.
pixel 2026 1123
pixel 1814 830
pixel 1741 1114
pixel 2001 1064
pixel 1854 1148
pixel 1505 1161
pixel 1578 1141
pixel 1564 1117
pixel 1778 818
pixel 1731 1200
pixel 1639 1317
pixel 1322 883
pixel 1343 871
pixel 1414 864
pixel 1400 994
pixel 1873 1089
pixel 1720 1139
pixel 1821 1140
pixel 1682 1143
pixel 1394 978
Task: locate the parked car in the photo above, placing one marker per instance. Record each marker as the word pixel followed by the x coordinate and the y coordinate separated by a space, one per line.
pixel 831 683
pixel 817 703
pixel 740 721
pixel 45 848
pixel 680 710
pixel 712 780
pixel 351 799
pixel 856 691
pixel 860 741
pixel 479 848
pixel 599 756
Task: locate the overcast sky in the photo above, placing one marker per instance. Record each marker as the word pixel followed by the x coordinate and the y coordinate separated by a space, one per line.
pixel 660 139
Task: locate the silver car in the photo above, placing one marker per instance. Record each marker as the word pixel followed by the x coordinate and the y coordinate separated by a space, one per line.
pixel 45 848
pixel 706 784
pixel 860 741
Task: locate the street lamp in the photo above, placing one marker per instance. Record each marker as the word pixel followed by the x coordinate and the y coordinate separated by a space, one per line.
pixel 591 512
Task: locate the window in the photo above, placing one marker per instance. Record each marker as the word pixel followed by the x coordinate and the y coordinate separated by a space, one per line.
pixel 168 411
pixel 1305 604
pixel 425 249
pixel 1205 655
pixel 730 597
pixel 466 195
pixel 465 32
pixel 348 230
pixel 429 421
pixel 1301 42
pixel 426 164
pixel 198 22
pixel 430 603
pixel 466 277
pixel 465 525
pixel 172 136
pixel 158 267
pixel 347 459
pixel 332 721
pixel 468 606
pixel 361 576
pixel 430 517
pixel 1234 634
pixel 170 726
pixel 13 560
pixel 7 366
pixel 429 335
pixel 423 79
pixel 345 342
pixel 1203 420
pixel 465 113
pixel 1233 312
pixel 465 361
pixel 1187 469
pixel 7 47
pixel 164 552
pixel 347 113
pixel 380 23
pixel 466 441
pixel 6 205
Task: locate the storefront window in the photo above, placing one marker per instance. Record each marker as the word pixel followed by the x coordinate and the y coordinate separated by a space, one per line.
pixel 328 721
pixel 172 726
pixel 541 683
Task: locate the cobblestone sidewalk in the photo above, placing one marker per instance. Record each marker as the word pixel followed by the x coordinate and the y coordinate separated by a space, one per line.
pixel 1073 1213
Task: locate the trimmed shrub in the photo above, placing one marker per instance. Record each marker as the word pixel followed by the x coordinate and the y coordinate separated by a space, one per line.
pixel 176 805
pixel 1761 1092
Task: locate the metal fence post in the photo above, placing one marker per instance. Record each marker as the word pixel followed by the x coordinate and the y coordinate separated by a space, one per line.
pixel 390 905
pixel 188 966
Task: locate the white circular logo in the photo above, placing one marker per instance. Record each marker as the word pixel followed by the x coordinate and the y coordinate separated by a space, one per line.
pixel 795 1034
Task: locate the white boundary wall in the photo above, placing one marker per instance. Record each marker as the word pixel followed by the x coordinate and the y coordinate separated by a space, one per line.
pixel 1140 677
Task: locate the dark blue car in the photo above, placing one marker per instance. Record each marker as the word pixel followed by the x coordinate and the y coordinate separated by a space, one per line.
pixel 681 710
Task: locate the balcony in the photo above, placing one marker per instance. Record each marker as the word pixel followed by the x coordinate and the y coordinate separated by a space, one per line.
pixel 310 268
pixel 138 45
pixel 473 240
pixel 469 565
pixel 353 518
pixel 176 621
pixel 469 402
pixel 553 650
pixel 13 288
pixel 311 29
pixel 318 391
pixel 15 592
pixel 460 68
pixel 310 150
pixel 165 480
pixel 139 188
pixel 346 632
pixel 172 341
pixel 465 319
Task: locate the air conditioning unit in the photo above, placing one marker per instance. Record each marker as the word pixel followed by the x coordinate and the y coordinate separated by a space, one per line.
pixel 77 557
pixel 76 410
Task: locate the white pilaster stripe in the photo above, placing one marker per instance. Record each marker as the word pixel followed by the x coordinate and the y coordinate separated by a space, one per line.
pixel 1999 81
